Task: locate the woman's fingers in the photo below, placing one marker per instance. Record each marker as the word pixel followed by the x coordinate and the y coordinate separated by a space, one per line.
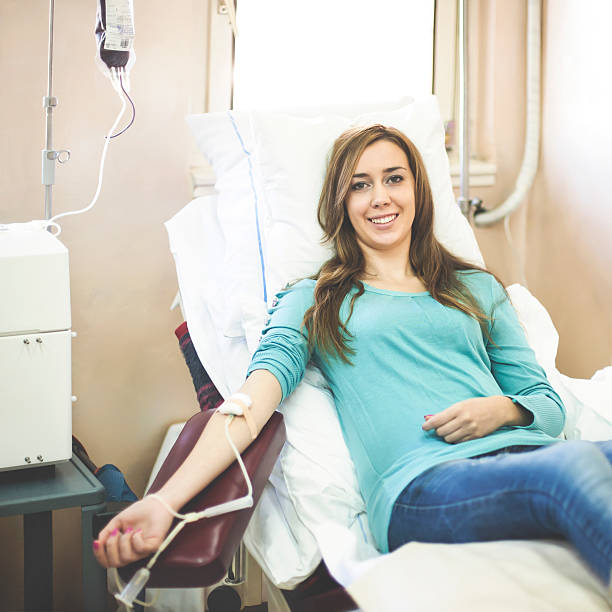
pixel 100 545
pixel 119 549
pixel 458 436
pixel 99 553
pixel 457 429
pixel 115 524
pixel 143 547
pixel 112 549
pixel 127 554
pixel 450 429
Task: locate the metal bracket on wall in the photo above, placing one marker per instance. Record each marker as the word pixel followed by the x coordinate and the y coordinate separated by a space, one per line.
pixel 227 7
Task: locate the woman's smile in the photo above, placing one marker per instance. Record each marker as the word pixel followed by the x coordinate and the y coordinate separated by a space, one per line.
pixel 385 221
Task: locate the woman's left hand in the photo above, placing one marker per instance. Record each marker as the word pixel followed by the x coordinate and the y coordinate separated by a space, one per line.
pixel 476 417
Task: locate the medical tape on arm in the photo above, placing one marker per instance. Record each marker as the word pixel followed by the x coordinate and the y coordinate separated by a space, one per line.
pixel 240 404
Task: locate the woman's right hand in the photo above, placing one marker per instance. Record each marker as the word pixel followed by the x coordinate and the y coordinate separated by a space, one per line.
pixel 133 534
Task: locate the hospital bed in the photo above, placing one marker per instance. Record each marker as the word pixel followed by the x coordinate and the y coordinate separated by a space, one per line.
pixel 233 251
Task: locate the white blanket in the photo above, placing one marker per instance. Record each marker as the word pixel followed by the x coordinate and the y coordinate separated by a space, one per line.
pixel 507 576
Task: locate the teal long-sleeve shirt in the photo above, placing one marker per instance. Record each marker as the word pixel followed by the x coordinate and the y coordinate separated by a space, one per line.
pixel 413 356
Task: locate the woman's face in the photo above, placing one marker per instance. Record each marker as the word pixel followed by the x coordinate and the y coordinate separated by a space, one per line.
pixel 380 202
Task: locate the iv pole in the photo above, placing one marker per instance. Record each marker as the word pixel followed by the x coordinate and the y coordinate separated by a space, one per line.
pixel 49 102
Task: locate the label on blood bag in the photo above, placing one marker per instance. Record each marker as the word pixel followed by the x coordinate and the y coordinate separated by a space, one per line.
pixel 119 25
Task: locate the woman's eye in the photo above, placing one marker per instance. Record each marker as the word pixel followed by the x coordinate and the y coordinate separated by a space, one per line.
pixel 358 186
pixel 396 178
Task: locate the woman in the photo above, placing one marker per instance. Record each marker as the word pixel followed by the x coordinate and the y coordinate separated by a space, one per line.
pixel 438 394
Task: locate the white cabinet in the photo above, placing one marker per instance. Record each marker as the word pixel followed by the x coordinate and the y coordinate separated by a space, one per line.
pixel 35 399
pixel 35 337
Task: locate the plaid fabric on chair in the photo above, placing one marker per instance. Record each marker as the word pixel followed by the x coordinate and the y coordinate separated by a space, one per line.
pixel 208 396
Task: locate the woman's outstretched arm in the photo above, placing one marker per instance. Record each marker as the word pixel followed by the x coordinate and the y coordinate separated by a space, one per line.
pixel 140 529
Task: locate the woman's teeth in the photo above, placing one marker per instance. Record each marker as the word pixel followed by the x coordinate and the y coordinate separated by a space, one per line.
pixel 380 220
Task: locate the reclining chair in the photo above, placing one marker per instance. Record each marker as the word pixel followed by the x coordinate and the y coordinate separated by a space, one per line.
pixel 207 550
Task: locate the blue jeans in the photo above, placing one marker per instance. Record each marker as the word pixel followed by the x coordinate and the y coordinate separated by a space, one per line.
pixel 563 490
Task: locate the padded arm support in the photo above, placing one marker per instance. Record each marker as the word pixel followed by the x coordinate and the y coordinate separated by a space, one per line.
pixel 202 552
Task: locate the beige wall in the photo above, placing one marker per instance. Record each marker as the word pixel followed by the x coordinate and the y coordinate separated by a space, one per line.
pixel 497 119
pixel 127 371
pixel 570 220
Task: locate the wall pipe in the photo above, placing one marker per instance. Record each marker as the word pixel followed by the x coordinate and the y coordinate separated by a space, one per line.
pixel 464 111
pixel 529 165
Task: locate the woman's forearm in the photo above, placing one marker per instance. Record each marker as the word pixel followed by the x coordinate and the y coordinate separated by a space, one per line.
pixel 516 415
pixel 212 454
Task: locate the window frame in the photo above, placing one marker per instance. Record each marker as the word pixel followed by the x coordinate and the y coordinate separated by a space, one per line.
pixel 219 83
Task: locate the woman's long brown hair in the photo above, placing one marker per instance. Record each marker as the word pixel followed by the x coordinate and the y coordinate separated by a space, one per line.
pixel 430 261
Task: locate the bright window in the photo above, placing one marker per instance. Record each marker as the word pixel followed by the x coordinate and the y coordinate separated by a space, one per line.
pixel 296 53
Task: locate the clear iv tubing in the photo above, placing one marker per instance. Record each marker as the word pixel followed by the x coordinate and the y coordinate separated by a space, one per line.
pixel 128 592
pixel 107 139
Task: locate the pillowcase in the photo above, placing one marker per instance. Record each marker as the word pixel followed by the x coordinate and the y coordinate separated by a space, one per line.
pixel 292 153
pixel 270 168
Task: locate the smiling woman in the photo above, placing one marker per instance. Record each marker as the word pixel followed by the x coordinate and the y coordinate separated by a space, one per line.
pixel 452 347
pixel 380 207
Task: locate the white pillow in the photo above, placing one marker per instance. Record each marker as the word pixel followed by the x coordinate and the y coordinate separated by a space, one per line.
pixel 197 245
pixel 291 153
pixel 270 168
pixel 590 404
pixel 224 138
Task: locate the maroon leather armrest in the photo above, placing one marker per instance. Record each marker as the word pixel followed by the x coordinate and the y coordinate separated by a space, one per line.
pixel 201 553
